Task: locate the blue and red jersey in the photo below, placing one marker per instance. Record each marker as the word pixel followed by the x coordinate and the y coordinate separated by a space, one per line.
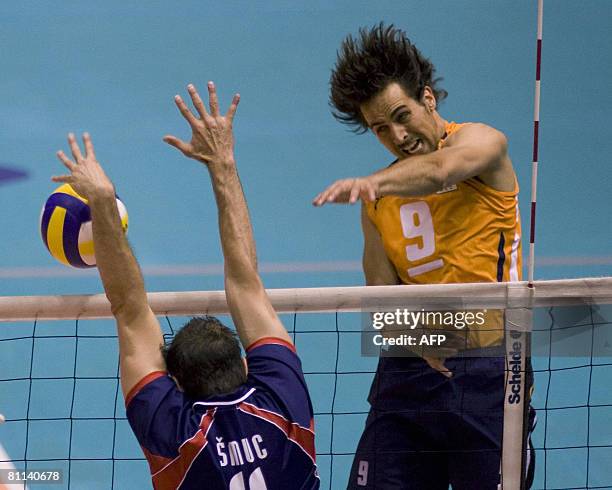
pixel 260 437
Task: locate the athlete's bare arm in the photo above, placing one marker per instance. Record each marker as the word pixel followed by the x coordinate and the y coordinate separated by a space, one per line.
pixel 140 336
pixel 476 150
pixel 212 143
pixel 377 267
pixel 379 271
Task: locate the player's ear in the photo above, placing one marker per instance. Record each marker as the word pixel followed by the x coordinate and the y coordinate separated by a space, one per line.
pixel 428 99
pixel 246 366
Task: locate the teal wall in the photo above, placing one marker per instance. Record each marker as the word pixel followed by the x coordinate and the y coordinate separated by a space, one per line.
pixel 112 68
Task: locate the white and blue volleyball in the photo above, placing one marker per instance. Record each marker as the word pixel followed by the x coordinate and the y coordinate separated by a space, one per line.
pixel 65 226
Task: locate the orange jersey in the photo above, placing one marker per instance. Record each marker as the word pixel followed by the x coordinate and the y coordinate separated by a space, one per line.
pixel 468 232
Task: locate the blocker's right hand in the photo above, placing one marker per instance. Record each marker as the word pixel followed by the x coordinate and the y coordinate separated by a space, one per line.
pixel 86 177
pixel 212 138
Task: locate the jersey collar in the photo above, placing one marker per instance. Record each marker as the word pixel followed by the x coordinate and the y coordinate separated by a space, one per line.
pixel 233 398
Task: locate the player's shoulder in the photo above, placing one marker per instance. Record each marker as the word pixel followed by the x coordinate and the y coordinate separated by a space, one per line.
pixel 270 360
pixel 478 133
pixel 274 344
pixel 488 144
pixel 154 384
pixel 275 371
pixel 272 354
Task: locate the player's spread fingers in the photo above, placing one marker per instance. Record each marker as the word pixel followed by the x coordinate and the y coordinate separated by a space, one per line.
pixel 66 179
pixel 213 100
pixel 330 189
pixel 197 100
pixel 340 187
pixel 69 164
pixel 177 143
pixel 330 194
pixel 233 106
pixel 333 197
pixel 317 201
pixel 89 149
pixel 323 197
pixel 365 194
pixel 367 191
pixel 74 147
pixel 320 199
pixel 343 191
pixel 371 193
pixel 180 103
pixel 355 193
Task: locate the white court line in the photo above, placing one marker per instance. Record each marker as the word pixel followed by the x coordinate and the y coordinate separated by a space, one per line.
pixel 170 270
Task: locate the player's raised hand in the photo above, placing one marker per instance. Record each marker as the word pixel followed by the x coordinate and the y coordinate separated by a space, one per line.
pixel 348 191
pixel 212 138
pixel 86 176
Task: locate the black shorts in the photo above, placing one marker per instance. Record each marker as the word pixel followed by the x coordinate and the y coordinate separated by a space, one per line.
pixel 426 432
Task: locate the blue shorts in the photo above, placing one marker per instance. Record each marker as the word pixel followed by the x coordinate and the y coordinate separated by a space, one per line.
pixel 426 432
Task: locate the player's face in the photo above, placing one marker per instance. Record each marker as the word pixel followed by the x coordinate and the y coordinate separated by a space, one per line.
pixel 405 126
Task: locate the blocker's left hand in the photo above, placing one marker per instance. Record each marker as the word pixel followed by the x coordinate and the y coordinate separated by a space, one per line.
pixel 86 176
pixel 348 191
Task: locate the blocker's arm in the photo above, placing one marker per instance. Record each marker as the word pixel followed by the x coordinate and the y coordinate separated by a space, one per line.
pixel 140 336
pixel 212 143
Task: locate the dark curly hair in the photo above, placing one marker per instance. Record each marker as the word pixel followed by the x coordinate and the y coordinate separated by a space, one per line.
pixel 366 64
pixel 205 358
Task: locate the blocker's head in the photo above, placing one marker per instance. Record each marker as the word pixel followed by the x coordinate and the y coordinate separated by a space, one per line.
pixel 205 358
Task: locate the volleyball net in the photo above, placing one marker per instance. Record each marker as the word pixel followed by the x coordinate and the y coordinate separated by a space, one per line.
pixel 60 393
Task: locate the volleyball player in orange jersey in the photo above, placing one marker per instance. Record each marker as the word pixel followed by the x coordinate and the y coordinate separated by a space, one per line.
pixel 445 211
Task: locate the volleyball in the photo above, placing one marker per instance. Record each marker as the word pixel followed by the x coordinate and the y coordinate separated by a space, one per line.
pixel 65 226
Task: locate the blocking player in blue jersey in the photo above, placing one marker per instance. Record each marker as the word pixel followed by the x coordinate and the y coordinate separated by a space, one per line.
pixel 204 416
